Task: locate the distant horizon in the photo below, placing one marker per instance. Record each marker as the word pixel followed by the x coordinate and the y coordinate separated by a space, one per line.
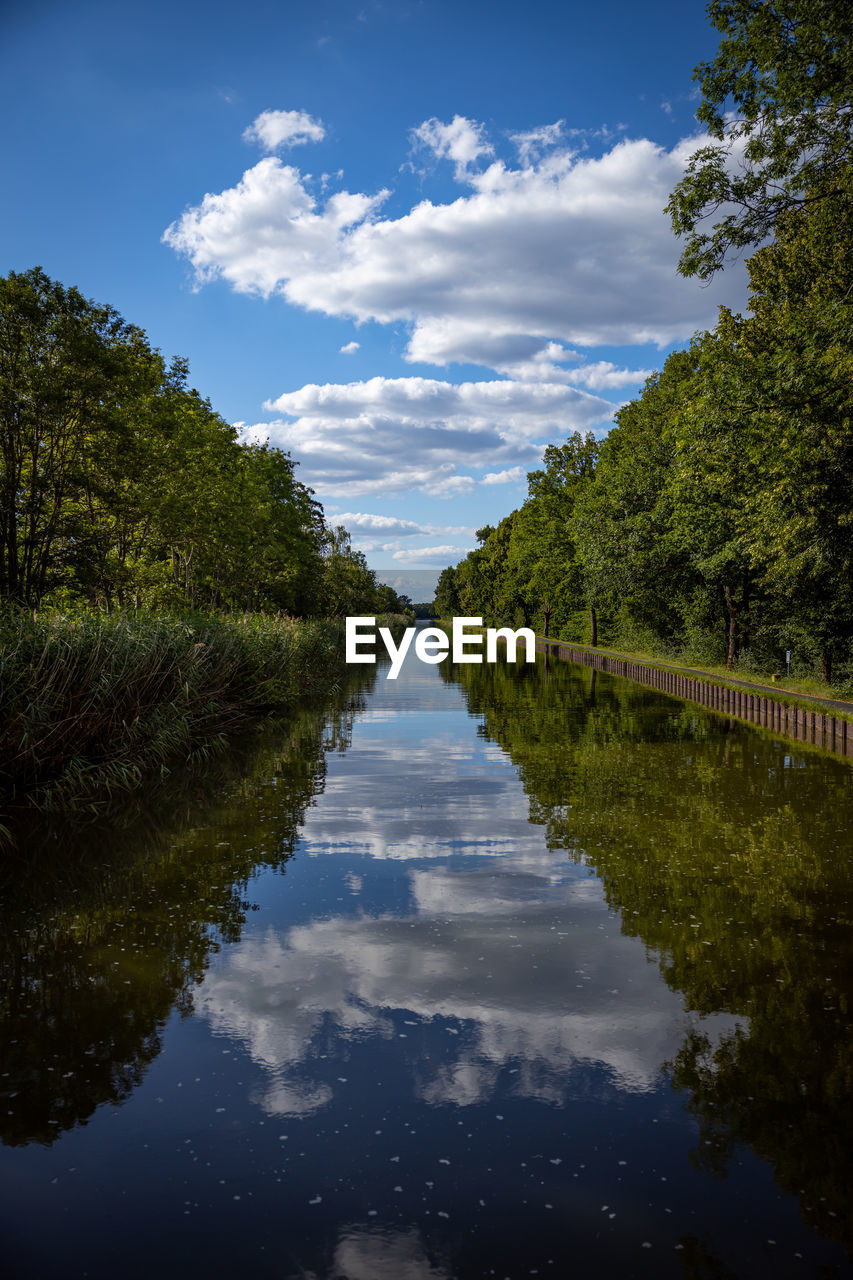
pixel 418 584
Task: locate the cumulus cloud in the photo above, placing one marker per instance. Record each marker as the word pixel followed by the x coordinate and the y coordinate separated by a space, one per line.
pixel 567 249
pixel 346 975
pixel 350 348
pixel 390 434
pixel 365 523
pixel 274 129
pixel 386 1254
pixel 524 357
pixel 511 476
pixel 428 555
pixel 462 141
pixel 603 375
pixel 265 231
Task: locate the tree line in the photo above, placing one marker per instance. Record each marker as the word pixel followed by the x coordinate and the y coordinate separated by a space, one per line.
pixel 715 519
pixel 121 486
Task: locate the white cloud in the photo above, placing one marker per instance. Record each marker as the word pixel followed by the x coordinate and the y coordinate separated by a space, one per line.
pixel 362 522
pixel 390 434
pixel 462 141
pixel 530 145
pixel 265 231
pixel 429 555
pixel 603 375
pixel 346 975
pixel 274 129
pixel 350 348
pixel 566 250
pixel 523 357
pixel 511 476
pixel 450 486
pixel 365 523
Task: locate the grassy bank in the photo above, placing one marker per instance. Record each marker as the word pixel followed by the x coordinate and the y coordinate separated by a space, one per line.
pixel 91 704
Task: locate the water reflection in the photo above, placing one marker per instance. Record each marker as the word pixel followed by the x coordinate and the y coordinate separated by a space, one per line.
pixel 105 934
pixel 540 994
pixel 365 1254
pixel 730 856
pixel 408 996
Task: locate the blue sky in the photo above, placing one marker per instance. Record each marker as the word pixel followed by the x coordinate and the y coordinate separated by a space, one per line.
pixel 410 242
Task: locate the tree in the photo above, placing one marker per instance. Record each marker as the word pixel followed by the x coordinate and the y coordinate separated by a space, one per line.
pixel 633 568
pixel 447 594
pixel 121 485
pixel 546 534
pixel 787 67
pixel 707 487
pixel 791 378
pixel 349 587
pixel 68 369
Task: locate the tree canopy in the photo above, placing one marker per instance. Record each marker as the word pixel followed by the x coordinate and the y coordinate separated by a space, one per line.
pixel 120 485
pixel 776 100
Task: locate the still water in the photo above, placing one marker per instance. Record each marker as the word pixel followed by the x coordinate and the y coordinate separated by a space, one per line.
pixel 481 972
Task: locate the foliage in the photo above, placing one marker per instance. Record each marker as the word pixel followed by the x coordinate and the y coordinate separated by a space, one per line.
pixel 90 704
pixel 527 569
pixel 121 486
pixel 787 68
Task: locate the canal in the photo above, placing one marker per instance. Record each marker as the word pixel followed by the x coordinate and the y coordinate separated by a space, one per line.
pixel 480 972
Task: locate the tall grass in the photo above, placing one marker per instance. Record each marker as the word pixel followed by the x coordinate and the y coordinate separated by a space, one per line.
pixel 90 704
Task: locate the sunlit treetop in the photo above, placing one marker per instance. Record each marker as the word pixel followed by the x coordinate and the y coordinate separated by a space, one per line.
pixel 777 98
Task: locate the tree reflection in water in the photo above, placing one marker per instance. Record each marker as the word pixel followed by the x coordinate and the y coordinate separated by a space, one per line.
pixel 731 859
pixel 107 930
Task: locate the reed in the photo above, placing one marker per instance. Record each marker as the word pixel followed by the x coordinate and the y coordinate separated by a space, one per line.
pixel 91 704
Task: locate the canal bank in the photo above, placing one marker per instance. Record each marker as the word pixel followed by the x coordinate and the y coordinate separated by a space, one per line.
pixel 814 724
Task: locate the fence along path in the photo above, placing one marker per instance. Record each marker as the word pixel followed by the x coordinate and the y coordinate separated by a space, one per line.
pixel 833 733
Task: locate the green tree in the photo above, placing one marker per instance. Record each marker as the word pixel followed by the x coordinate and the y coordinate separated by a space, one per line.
pixel 707 490
pixel 349 587
pixel 633 568
pixel 121 485
pixel 68 372
pixel 787 68
pixel 447 594
pixel 546 542
pixel 789 375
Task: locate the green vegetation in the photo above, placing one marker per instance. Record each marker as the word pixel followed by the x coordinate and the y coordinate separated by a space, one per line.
pixel 785 67
pixel 121 487
pixel 91 704
pixel 127 506
pixel 713 524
